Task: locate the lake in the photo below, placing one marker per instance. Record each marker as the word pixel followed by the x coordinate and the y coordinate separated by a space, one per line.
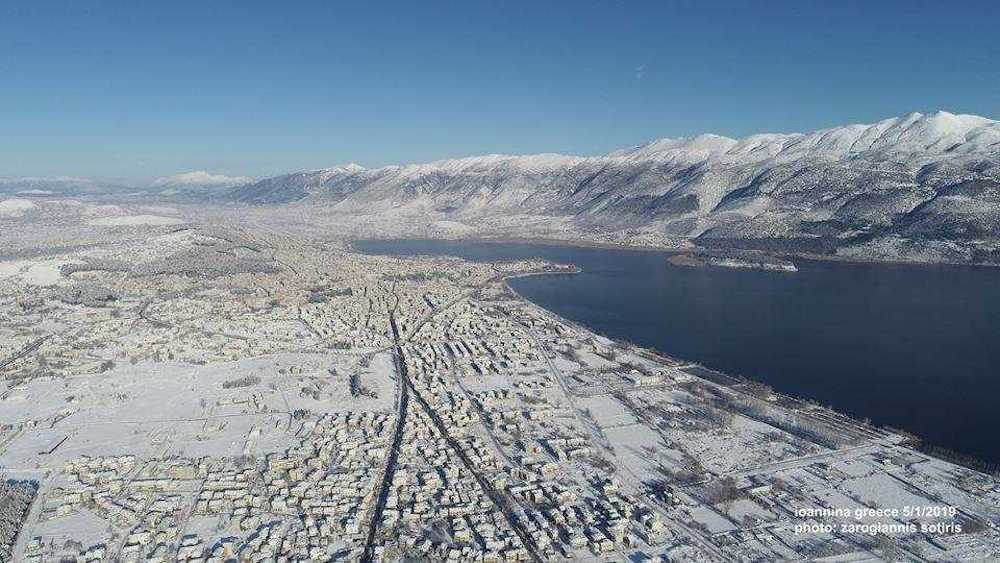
pixel 911 346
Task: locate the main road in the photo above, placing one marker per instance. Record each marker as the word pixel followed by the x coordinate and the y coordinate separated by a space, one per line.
pixel 402 404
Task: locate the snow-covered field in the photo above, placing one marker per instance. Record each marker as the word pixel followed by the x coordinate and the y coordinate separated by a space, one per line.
pixel 133 220
pixel 152 410
pixel 34 272
pixel 15 207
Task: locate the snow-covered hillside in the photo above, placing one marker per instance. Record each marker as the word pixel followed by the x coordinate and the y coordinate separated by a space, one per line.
pixel 199 179
pixel 40 186
pixel 910 183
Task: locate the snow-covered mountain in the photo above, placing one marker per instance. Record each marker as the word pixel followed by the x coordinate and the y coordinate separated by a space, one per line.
pixel 54 186
pixel 917 183
pixel 198 179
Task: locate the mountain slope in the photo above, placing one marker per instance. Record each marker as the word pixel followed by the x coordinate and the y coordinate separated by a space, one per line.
pixel 920 186
pixel 55 186
pixel 197 180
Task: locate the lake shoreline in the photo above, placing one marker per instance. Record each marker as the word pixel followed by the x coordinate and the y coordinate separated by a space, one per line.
pixel 906 437
pixel 870 368
pixel 577 243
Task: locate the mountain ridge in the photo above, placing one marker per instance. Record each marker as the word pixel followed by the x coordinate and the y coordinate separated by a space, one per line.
pixel 897 186
pixel 941 131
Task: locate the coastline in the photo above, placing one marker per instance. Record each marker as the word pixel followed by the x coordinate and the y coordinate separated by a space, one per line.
pixel 673 250
pixel 915 439
pixel 902 437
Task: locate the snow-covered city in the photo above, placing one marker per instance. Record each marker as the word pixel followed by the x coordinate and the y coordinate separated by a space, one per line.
pixel 652 281
pixel 177 391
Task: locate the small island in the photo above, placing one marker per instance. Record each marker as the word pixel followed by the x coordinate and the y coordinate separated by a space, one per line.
pixel 740 261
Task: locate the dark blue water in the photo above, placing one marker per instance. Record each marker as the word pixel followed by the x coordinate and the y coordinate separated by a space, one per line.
pixel 915 347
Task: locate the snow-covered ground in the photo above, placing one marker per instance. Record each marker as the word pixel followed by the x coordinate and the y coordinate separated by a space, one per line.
pixel 35 272
pixel 15 207
pixel 132 220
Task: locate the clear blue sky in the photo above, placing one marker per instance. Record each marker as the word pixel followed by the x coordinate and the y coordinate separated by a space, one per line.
pixel 137 90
